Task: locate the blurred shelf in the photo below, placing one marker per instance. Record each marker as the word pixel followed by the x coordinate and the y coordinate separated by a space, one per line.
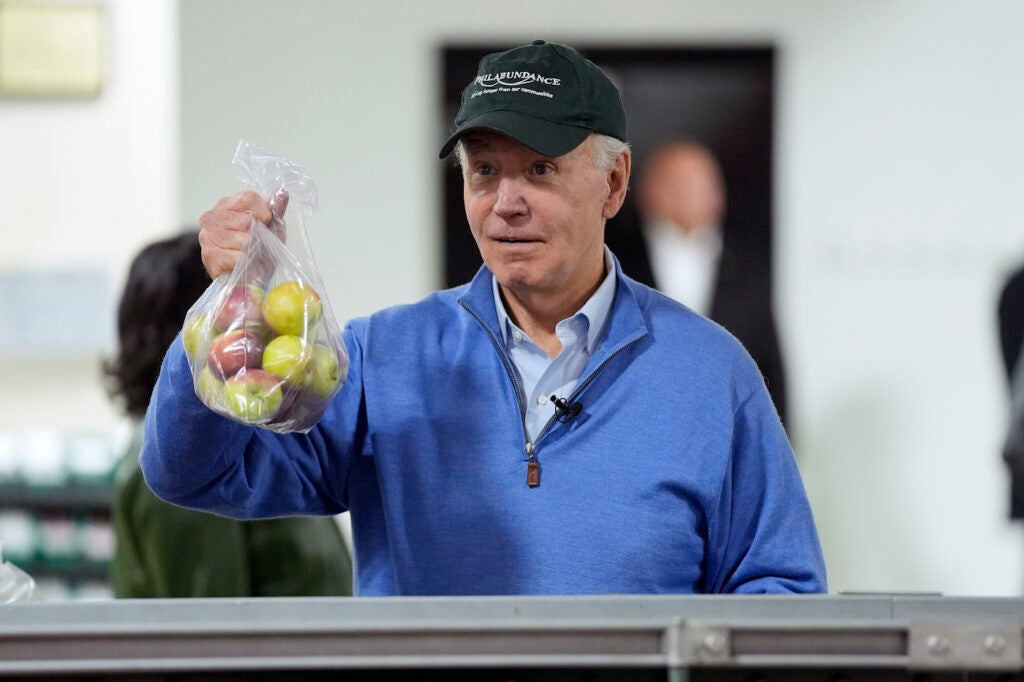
pixel 60 522
pixel 68 570
pixel 94 498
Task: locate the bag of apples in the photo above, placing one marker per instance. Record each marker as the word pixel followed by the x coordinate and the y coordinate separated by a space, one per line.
pixel 263 345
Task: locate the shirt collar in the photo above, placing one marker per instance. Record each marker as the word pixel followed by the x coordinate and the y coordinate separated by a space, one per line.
pixel 595 310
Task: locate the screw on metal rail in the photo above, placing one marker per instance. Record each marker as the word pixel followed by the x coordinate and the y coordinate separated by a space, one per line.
pixel 995 645
pixel 714 645
pixel 937 645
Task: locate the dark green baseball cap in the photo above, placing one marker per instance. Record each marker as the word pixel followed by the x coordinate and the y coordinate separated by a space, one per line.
pixel 543 95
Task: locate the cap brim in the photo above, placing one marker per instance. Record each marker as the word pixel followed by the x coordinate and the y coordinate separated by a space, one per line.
pixel 543 137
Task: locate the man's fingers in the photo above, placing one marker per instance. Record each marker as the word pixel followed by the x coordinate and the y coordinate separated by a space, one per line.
pixel 279 202
pixel 230 232
pixel 247 202
pixel 219 262
pixel 221 220
pixel 224 232
pixel 216 259
pixel 225 228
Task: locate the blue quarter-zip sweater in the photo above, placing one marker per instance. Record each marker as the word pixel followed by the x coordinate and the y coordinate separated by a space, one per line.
pixel 675 477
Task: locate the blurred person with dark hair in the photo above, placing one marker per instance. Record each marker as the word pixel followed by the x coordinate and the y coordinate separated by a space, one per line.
pixel 163 550
pixel 673 240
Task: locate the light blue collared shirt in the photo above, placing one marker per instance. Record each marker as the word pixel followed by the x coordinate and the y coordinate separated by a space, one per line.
pixel 540 376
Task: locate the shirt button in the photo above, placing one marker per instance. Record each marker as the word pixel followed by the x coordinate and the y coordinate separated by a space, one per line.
pixel 542 400
pixel 518 336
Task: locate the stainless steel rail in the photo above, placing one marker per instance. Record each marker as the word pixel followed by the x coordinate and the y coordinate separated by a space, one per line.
pixel 680 635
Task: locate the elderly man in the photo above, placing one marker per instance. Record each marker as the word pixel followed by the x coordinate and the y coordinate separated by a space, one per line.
pixel 552 427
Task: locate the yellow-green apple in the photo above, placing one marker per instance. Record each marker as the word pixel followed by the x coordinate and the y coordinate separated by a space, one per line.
pixel 196 334
pixel 233 350
pixel 241 306
pixel 291 308
pixel 325 371
pixel 253 395
pixel 287 357
pixel 210 389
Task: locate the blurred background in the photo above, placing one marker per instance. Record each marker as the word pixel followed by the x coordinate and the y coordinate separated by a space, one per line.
pixel 895 165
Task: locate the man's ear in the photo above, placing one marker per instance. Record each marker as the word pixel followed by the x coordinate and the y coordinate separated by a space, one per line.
pixel 618 182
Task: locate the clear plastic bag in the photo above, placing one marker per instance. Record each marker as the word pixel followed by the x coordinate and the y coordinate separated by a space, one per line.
pixel 15 584
pixel 263 344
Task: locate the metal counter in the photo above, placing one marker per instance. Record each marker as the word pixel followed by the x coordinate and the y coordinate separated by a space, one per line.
pixel 849 637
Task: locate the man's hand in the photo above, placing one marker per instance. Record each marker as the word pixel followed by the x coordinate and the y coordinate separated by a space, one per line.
pixel 225 227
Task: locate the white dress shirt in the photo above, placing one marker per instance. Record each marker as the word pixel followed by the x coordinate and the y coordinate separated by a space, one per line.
pixel 539 375
pixel 685 266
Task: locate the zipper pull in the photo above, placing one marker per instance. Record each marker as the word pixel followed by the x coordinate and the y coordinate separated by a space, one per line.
pixel 532 467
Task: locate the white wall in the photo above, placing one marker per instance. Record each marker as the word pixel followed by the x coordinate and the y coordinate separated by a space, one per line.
pixel 901 149
pixel 83 184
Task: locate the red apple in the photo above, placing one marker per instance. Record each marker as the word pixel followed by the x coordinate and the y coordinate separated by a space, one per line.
pixel 253 395
pixel 233 350
pixel 240 307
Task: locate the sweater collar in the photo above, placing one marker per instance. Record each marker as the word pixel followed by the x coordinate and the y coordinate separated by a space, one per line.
pixel 625 321
pixel 595 310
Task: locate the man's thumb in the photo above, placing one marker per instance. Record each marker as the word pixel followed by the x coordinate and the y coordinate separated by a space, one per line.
pixel 278 206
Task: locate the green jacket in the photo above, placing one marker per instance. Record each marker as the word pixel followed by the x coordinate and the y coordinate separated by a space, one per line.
pixel 163 550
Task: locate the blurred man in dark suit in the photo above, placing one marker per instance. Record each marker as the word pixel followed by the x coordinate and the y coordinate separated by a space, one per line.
pixel 673 240
pixel 1010 313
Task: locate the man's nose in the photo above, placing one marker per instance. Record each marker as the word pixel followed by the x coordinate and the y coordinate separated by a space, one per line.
pixel 510 201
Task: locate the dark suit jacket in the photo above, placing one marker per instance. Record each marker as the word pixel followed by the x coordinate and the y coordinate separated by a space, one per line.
pixel 741 302
pixel 1011 319
pixel 1011 342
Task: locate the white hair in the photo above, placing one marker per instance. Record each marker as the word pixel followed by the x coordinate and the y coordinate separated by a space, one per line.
pixel 605 149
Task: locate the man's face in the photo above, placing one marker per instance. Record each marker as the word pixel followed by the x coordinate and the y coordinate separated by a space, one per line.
pixel 683 184
pixel 538 221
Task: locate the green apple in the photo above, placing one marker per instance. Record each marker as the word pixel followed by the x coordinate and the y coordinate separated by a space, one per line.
pixel 253 395
pixel 210 389
pixel 323 374
pixel 196 335
pixel 287 357
pixel 291 308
